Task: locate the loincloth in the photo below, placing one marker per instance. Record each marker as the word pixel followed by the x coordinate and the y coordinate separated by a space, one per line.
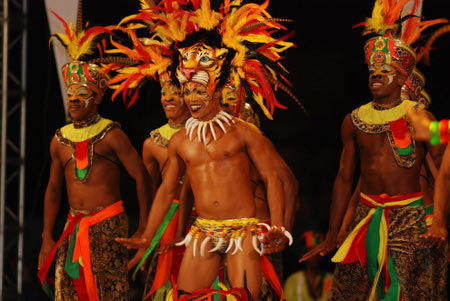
pixel 382 249
pixel 223 234
pixel 89 261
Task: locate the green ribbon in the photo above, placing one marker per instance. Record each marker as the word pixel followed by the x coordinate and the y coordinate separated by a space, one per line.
pixel 73 268
pixel 172 210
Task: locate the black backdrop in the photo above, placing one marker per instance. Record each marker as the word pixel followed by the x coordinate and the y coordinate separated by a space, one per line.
pixel 328 76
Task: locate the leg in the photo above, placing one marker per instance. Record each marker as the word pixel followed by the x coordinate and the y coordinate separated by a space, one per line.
pixel 64 287
pixel 109 258
pixel 350 283
pixel 412 264
pixel 246 262
pixel 198 271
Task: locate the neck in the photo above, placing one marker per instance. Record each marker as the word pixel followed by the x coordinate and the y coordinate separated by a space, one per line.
pixel 211 114
pixel 389 99
pixel 89 120
pixel 179 120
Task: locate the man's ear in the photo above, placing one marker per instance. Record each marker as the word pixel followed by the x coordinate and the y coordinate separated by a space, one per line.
pixel 401 79
pixel 98 98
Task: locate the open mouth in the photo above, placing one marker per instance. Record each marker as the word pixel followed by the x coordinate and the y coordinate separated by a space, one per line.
pixel 195 107
pixel 376 85
pixel 169 107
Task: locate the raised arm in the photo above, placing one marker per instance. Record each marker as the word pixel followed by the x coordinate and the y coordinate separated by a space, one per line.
pixel 52 201
pixel 342 189
pixel 130 159
pixel 289 183
pixel 151 163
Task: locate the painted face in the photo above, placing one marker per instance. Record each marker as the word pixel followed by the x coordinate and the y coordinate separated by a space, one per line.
pixel 229 100
pixel 199 101
pixel 81 101
pixel 172 101
pixel 202 64
pixel 383 80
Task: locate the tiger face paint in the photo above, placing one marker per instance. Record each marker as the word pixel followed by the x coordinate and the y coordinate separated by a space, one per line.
pixel 202 64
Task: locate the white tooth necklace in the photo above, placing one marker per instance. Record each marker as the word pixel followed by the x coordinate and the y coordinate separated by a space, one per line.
pixel 202 126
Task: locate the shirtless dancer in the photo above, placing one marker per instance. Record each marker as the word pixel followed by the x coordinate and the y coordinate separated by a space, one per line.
pixel 155 156
pixel 390 217
pixel 88 155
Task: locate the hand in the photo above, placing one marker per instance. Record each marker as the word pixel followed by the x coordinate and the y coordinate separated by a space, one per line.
pixel 342 235
pixel 420 120
pixel 134 243
pixel 435 237
pixel 170 245
pixel 136 258
pixel 323 248
pixel 274 241
pixel 46 247
pixel 138 233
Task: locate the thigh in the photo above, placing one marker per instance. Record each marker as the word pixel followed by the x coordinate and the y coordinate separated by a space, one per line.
pixel 350 283
pixel 412 264
pixel 245 263
pixel 64 287
pixel 110 258
pixel 198 271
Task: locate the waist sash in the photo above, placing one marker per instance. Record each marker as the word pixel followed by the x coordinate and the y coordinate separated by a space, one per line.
pixel 79 252
pixel 368 242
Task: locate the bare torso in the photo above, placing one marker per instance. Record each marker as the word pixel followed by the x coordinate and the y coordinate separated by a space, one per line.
pixel 379 170
pixel 219 174
pixel 102 187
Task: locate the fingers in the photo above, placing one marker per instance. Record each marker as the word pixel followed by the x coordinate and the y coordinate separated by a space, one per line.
pixel 308 255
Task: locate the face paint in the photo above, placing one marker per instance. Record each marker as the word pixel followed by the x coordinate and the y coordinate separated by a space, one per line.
pixel 202 64
pixel 382 79
pixel 198 100
pixel 79 100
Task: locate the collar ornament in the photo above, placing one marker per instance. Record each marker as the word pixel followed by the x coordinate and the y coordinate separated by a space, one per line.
pixel 382 107
pixel 202 126
pixel 83 140
pixel 394 123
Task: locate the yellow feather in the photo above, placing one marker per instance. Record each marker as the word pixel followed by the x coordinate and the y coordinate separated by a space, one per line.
pixel 260 101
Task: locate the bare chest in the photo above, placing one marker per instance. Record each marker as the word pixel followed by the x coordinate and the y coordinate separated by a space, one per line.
pixel 226 149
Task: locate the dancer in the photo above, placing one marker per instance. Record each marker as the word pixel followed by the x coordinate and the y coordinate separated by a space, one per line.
pixel 216 149
pixel 392 262
pixel 89 155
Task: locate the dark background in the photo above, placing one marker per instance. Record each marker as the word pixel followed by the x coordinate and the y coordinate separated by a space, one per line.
pixel 328 75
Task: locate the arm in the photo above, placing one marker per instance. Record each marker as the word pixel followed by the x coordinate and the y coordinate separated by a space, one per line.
pixel 52 201
pixel 289 183
pixel 342 189
pixel 130 159
pixel 161 204
pixel 437 234
pixel 151 164
pixel 259 153
pixel 349 215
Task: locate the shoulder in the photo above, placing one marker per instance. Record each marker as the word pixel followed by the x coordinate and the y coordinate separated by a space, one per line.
pixel 244 127
pixel 178 138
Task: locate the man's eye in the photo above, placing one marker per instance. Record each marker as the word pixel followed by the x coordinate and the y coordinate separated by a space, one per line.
pixel 204 59
pixel 386 71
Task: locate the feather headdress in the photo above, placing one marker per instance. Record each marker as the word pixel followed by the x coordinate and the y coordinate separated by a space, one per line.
pixel 80 45
pixel 399 39
pixel 247 30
